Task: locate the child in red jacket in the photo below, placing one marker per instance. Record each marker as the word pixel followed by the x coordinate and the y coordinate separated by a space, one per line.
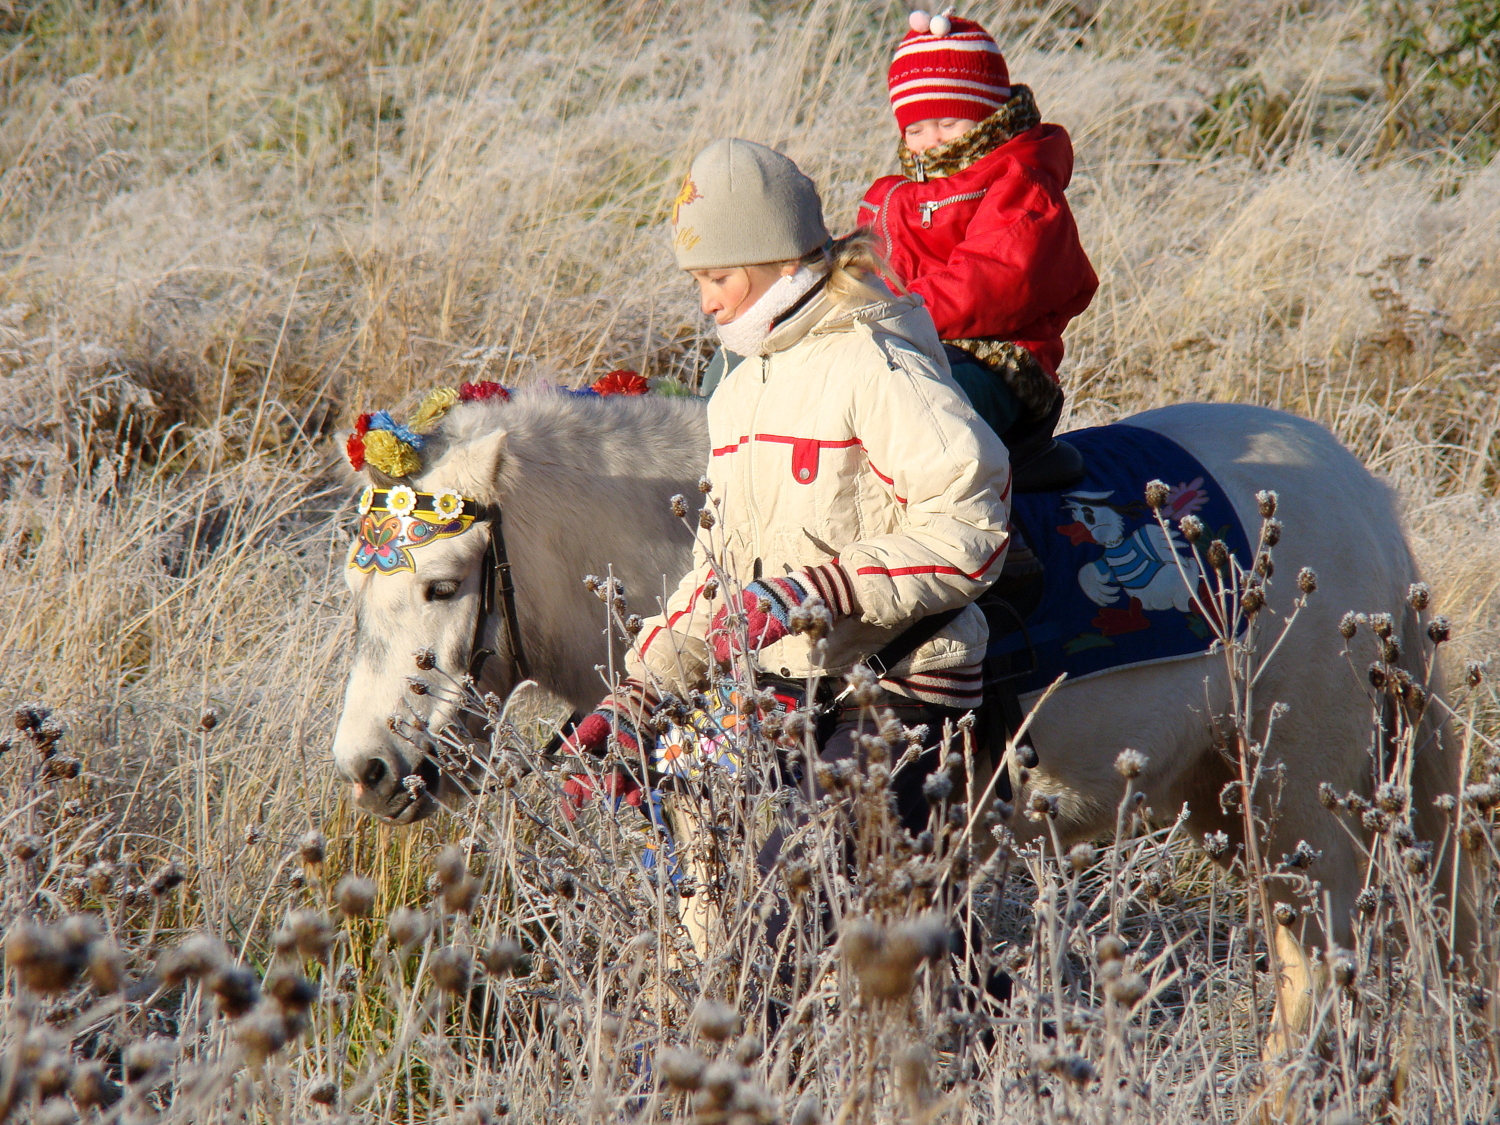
pixel 979 226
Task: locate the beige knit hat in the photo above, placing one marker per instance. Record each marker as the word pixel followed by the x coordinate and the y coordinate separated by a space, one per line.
pixel 743 204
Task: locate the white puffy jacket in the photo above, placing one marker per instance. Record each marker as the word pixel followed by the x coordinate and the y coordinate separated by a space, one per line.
pixel 848 441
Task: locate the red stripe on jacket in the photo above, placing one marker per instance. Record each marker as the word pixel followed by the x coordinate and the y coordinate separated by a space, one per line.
pixel 900 571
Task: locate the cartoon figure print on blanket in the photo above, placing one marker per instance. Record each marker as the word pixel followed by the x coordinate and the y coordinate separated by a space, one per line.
pixel 1137 564
pixel 1119 587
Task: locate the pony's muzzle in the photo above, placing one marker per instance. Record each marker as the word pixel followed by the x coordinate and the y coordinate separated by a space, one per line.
pixel 385 787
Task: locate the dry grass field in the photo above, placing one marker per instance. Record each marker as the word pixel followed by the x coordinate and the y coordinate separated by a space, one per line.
pixel 226 228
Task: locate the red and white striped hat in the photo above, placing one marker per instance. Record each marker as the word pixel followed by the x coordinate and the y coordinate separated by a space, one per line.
pixel 946 67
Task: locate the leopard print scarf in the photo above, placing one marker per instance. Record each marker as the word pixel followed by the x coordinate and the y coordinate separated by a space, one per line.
pixel 1013 118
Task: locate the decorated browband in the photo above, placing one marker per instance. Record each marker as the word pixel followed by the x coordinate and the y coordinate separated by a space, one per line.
pixel 395 521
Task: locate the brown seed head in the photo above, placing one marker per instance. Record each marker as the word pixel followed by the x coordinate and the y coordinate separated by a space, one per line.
pixel 1191 528
pixel 409 927
pixel 262 1034
pixel 307 931
pixel 292 991
pixel 861 941
pixel 1127 990
pixel 706 519
pixel 236 989
pixel 51 1075
pixel 166 879
pixel 196 957
pixel 106 967
pixel 1285 913
pixel 91 1087
pixel 322 1091
pixel 30 716
pixel 1307 580
pixel 146 1061
pixel 313 847
pixel 1110 948
pixel 62 767
pixel 451 968
pixel 1439 629
pixel 355 896
pixel 679 506
pixel 1080 856
pixel 1344 970
pixel 208 720
pixel 43 959
pixel 1130 763
pixel 720 1080
pixel 1265 503
pixel 714 1020
pixel 682 1069
pixel 500 956
pixel 1156 495
pixel 1419 596
pixel 425 659
pixel 452 866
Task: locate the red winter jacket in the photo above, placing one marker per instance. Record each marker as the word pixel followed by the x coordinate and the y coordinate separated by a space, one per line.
pixel 993 249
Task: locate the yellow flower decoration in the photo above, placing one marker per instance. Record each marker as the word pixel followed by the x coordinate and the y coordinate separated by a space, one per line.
pixel 391 455
pixel 430 413
pixel 401 500
pixel 366 499
pixel 447 503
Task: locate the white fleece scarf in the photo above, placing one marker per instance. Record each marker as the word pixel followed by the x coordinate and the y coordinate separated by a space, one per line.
pixel 746 334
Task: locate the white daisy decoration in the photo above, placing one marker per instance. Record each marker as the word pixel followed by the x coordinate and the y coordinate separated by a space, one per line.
pixel 401 500
pixel 447 504
pixel 366 500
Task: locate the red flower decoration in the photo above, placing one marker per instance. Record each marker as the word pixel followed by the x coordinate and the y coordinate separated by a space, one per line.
pixel 478 392
pixel 355 447
pixel 362 427
pixel 621 382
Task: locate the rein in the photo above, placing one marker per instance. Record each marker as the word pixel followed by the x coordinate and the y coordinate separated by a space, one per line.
pixel 497 585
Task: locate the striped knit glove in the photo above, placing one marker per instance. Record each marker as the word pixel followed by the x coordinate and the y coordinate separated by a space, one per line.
pixel 626 712
pixel 769 607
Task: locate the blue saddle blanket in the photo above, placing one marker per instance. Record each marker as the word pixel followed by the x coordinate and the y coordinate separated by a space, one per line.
pixel 1113 595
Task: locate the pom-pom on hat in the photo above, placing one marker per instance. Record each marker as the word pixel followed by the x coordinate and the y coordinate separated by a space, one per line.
pixel 946 67
pixel 744 204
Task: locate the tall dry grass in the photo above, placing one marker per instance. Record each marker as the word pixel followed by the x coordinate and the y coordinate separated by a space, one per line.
pixel 226 227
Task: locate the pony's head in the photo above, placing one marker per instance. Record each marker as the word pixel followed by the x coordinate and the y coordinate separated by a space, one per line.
pixel 416 571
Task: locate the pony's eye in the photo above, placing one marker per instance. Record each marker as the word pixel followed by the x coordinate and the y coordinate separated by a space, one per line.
pixel 441 591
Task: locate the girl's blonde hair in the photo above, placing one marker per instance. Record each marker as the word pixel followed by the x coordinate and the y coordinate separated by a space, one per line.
pixel 849 261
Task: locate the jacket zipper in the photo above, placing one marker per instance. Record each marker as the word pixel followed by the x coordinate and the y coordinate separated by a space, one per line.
pixel 885 214
pixel 938 204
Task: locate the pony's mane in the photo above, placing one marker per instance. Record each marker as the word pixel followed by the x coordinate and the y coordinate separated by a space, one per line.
pixel 577 436
pixel 584 435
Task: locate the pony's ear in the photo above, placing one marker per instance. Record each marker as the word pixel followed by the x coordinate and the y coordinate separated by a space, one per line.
pixel 479 466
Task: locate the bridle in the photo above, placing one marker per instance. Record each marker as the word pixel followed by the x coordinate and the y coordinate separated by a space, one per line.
pixel 396 521
pixel 496 585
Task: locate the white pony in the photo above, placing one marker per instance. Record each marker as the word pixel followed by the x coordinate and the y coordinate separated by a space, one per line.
pixel 585 485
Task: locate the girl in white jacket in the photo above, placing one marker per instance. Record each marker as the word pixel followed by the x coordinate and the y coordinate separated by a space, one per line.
pixel 846 467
